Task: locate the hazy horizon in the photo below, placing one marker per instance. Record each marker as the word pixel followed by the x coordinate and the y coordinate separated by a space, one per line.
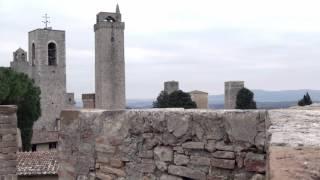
pixel 271 45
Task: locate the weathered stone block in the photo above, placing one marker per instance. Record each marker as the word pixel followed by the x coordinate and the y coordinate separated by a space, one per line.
pixel 242 126
pixel 103 176
pixel 163 153
pixel 147 167
pixel 186 172
pixel 115 162
pixel 223 163
pixel 149 177
pixel 210 124
pixel 181 159
pixel 193 145
pixel 258 177
pixel 178 149
pixel 242 176
pixel 110 170
pixel 162 166
pixel 169 139
pixel 198 160
pixel 169 177
pixel 217 177
pixel 146 154
pixel 211 146
pixel 223 155
pixel 240 159
pixel 224 147
pixel 178 124
pixel 255 162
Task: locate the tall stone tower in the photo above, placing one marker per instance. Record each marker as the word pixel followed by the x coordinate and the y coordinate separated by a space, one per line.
pixel 109 61
pixel 171 86
pixel 231 89
pixel 47 58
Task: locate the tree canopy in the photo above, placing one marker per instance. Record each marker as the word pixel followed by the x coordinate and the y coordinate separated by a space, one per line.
pixel 245 99
pixel 18 89
pixel 177 99
pixel 306 100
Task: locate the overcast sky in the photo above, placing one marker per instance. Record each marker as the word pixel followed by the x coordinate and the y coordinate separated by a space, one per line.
pixel 270 44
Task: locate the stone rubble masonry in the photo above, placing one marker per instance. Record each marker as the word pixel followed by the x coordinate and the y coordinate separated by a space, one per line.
pixel 8 142
pixel 172 144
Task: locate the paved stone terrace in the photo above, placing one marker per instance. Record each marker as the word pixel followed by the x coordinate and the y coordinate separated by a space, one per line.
pixel 294 144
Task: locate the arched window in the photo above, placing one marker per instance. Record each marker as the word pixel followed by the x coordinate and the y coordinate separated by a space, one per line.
pixel 33 54
pixel 52 54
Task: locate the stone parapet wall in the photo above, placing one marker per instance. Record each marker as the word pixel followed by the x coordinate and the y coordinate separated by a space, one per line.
pixel 8 142
pixel 166 144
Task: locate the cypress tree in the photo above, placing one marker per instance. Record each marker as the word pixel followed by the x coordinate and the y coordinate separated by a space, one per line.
pixel 245 99
pixel 17 89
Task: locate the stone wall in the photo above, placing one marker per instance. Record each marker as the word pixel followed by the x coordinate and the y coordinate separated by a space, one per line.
pixel 8 142
pixel 167 144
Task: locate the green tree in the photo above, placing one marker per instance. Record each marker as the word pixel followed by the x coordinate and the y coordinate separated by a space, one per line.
pixel 18 89
pixel 177 99
pixel 245 99
pixel 306 100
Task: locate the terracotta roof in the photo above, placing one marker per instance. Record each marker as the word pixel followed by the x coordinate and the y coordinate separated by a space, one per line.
pixel 43 136
pixel 37 163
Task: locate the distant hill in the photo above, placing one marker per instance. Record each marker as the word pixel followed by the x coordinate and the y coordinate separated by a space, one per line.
pixel 264 99
pixel 270 99
pixel 273 96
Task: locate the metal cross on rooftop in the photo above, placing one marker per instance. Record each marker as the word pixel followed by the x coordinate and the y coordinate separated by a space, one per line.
pixel 46 20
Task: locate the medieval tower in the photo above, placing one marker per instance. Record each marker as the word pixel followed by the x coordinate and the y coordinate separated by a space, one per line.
pixel 47 67
pixel 231 89
pixel 109 61
pixel 47 56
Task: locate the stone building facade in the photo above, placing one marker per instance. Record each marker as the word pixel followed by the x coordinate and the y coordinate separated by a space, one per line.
pixel 200 98
pixel 231 89
pixel 46 65
pixel 109 61
pixel 88 101
pixel 47 58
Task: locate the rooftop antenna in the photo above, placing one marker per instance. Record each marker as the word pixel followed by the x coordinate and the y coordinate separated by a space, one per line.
pixel 46 20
